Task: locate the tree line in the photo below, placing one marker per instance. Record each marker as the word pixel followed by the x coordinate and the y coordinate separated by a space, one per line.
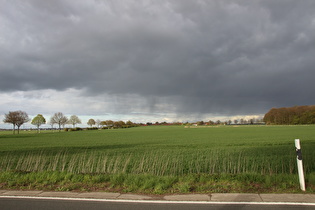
pixel 241 121
pixel 275 116
pixel 290 115
pixel 18 118
pixel 110 123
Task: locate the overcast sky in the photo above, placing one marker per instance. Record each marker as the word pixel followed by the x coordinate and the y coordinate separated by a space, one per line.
pixel 156 60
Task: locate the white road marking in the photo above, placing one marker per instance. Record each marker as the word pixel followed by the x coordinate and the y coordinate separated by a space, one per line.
pixel 160 201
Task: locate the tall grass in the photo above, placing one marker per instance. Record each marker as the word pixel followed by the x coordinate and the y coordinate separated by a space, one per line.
pixel 158 162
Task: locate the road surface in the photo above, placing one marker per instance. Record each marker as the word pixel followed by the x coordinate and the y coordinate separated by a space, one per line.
pixel 27 203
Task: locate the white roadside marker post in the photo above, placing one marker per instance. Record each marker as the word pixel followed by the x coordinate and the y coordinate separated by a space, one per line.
pixel 299 163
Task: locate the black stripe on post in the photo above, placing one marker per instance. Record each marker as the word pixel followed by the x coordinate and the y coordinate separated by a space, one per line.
pixel 299 154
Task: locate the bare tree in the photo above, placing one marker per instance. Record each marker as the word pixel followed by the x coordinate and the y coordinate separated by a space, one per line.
pixel 51 123
pixel 17 118
pixel 59 119
pixel 74 120
pixel 98 122
pixel 91 122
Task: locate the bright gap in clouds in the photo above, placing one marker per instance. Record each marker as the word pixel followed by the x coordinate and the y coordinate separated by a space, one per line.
pixel 103 107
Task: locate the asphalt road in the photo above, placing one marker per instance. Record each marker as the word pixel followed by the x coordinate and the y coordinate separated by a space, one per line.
pixel 76 204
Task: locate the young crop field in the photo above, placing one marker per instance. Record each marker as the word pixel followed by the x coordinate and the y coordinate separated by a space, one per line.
pixel 160 159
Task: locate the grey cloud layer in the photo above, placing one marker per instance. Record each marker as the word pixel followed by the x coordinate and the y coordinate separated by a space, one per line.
pixel 229 57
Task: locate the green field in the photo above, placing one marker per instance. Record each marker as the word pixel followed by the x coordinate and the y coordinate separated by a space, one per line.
pixel 160 159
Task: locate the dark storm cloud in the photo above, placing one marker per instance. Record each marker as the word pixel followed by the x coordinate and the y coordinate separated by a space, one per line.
pixel 227 57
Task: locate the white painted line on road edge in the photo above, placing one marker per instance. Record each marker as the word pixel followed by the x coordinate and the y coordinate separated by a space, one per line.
pixel 160 201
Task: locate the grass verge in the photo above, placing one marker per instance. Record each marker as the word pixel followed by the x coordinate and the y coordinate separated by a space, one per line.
pixel 151 184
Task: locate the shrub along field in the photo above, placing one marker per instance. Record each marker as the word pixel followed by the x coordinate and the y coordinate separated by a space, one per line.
pixel 159 159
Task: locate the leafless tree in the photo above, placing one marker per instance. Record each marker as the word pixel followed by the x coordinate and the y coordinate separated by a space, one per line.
pixel 17 118
pixel 59 119
pixel 91 122
pixel 98 122
pixel 74 120
pixel 51 123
